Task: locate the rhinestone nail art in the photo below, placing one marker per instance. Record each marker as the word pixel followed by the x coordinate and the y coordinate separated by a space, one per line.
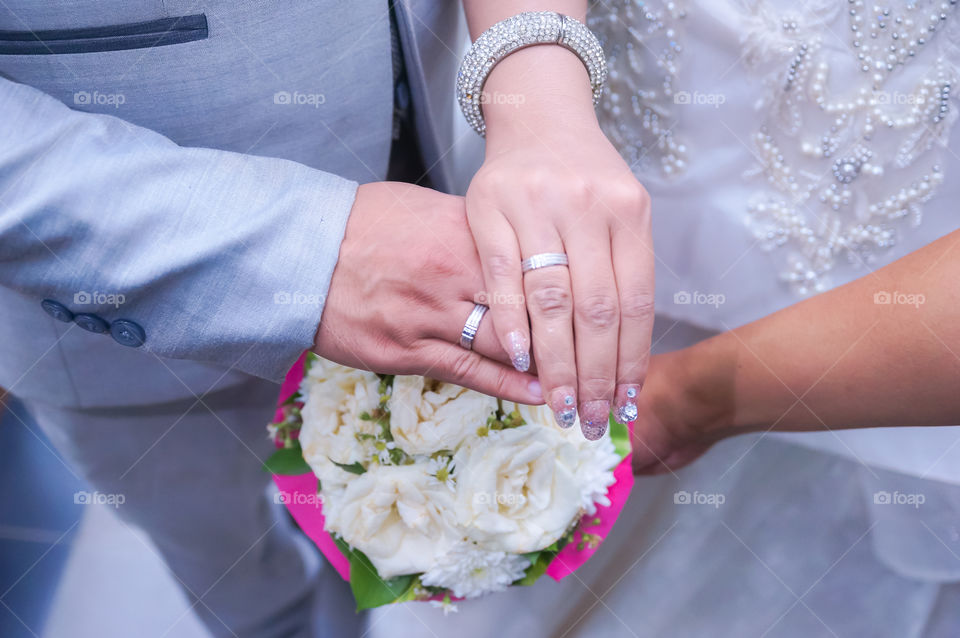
pixel 566 418
pixel 628 413
pixel 519 351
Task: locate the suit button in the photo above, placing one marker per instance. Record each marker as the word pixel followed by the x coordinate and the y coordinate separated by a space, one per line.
pixel 93 323
pixel 127 333
pixel 56 310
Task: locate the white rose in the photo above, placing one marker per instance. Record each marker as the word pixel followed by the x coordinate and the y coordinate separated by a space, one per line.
pixel 595 460
pixel 427 416
pixel 335 397
pixel 399 516
pixel 516 490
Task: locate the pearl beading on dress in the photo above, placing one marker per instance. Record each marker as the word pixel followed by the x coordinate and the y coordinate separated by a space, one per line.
pixel 828 201
pixel 842 165
pixel 906 33
pixel 641 40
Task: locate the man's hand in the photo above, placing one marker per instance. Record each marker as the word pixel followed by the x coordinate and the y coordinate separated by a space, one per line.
pixel 406 280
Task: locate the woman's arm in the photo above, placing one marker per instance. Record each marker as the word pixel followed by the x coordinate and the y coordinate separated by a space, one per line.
pixel 552 183
pixel 883 350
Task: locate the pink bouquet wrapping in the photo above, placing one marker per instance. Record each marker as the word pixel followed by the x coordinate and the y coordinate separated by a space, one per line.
pixel 415 489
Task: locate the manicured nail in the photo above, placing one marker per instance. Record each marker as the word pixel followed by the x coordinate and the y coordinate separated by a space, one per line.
pixel 519 350
pixel 564 406
pixel 594 418
pixel 627 403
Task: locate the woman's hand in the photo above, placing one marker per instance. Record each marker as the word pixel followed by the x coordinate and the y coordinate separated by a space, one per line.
pixel 838 360
pixel 552 183
pixel 683 410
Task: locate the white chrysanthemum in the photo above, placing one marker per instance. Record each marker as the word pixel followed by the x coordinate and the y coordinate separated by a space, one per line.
pixel 335 398
pixel 398 515
pixel 441 468
pixel 469 572
pixel 516 490
pixel 596 460
pixel 383 451
pixel 428 416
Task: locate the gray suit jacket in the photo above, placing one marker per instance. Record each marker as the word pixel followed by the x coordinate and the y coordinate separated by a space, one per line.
pixel 186 169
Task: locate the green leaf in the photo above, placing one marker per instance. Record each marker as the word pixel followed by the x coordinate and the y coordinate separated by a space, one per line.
pixel 538 567
pixel 369 590
pixel 287 461
pixel 620 435
pixel 342 545
pixel 353 468
pixel 411 593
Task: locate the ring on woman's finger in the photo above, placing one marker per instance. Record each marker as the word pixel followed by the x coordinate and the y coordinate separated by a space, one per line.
pixel 544 260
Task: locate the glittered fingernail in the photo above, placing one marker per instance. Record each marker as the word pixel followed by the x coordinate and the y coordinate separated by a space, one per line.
pixel 594 418
pixel 627 413
pixel 627 402
pixel 519 350
pixel 567 418
pixel 564 408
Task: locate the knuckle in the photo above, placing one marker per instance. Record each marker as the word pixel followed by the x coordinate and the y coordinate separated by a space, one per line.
pixel 501 383
pixel 551 301
pixel 630 197
pixel 601 311
pixel 463 365
pixel 501 266
pixel 437 264
pixel 538 180
pixel 641 195
pixel 637 306
pixel 636 371
pixel 579 191
pixel 545 183
pixel 489 178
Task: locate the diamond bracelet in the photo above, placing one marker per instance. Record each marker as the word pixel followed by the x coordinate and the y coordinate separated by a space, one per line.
pixel 520 31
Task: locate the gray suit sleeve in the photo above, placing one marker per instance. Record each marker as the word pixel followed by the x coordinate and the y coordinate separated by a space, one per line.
pixel 220 257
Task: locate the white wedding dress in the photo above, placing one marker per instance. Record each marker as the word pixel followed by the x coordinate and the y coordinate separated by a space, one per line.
pixel 788 147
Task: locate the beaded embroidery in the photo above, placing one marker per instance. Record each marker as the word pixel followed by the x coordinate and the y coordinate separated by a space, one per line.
pixel 842 167
pixel 845 165
pixel 643 50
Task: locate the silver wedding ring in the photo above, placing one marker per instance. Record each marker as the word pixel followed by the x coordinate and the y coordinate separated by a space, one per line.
pixel 470 328
pixel 544 260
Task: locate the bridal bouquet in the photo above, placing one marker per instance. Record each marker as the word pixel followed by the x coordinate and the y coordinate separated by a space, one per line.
pixel 416 489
